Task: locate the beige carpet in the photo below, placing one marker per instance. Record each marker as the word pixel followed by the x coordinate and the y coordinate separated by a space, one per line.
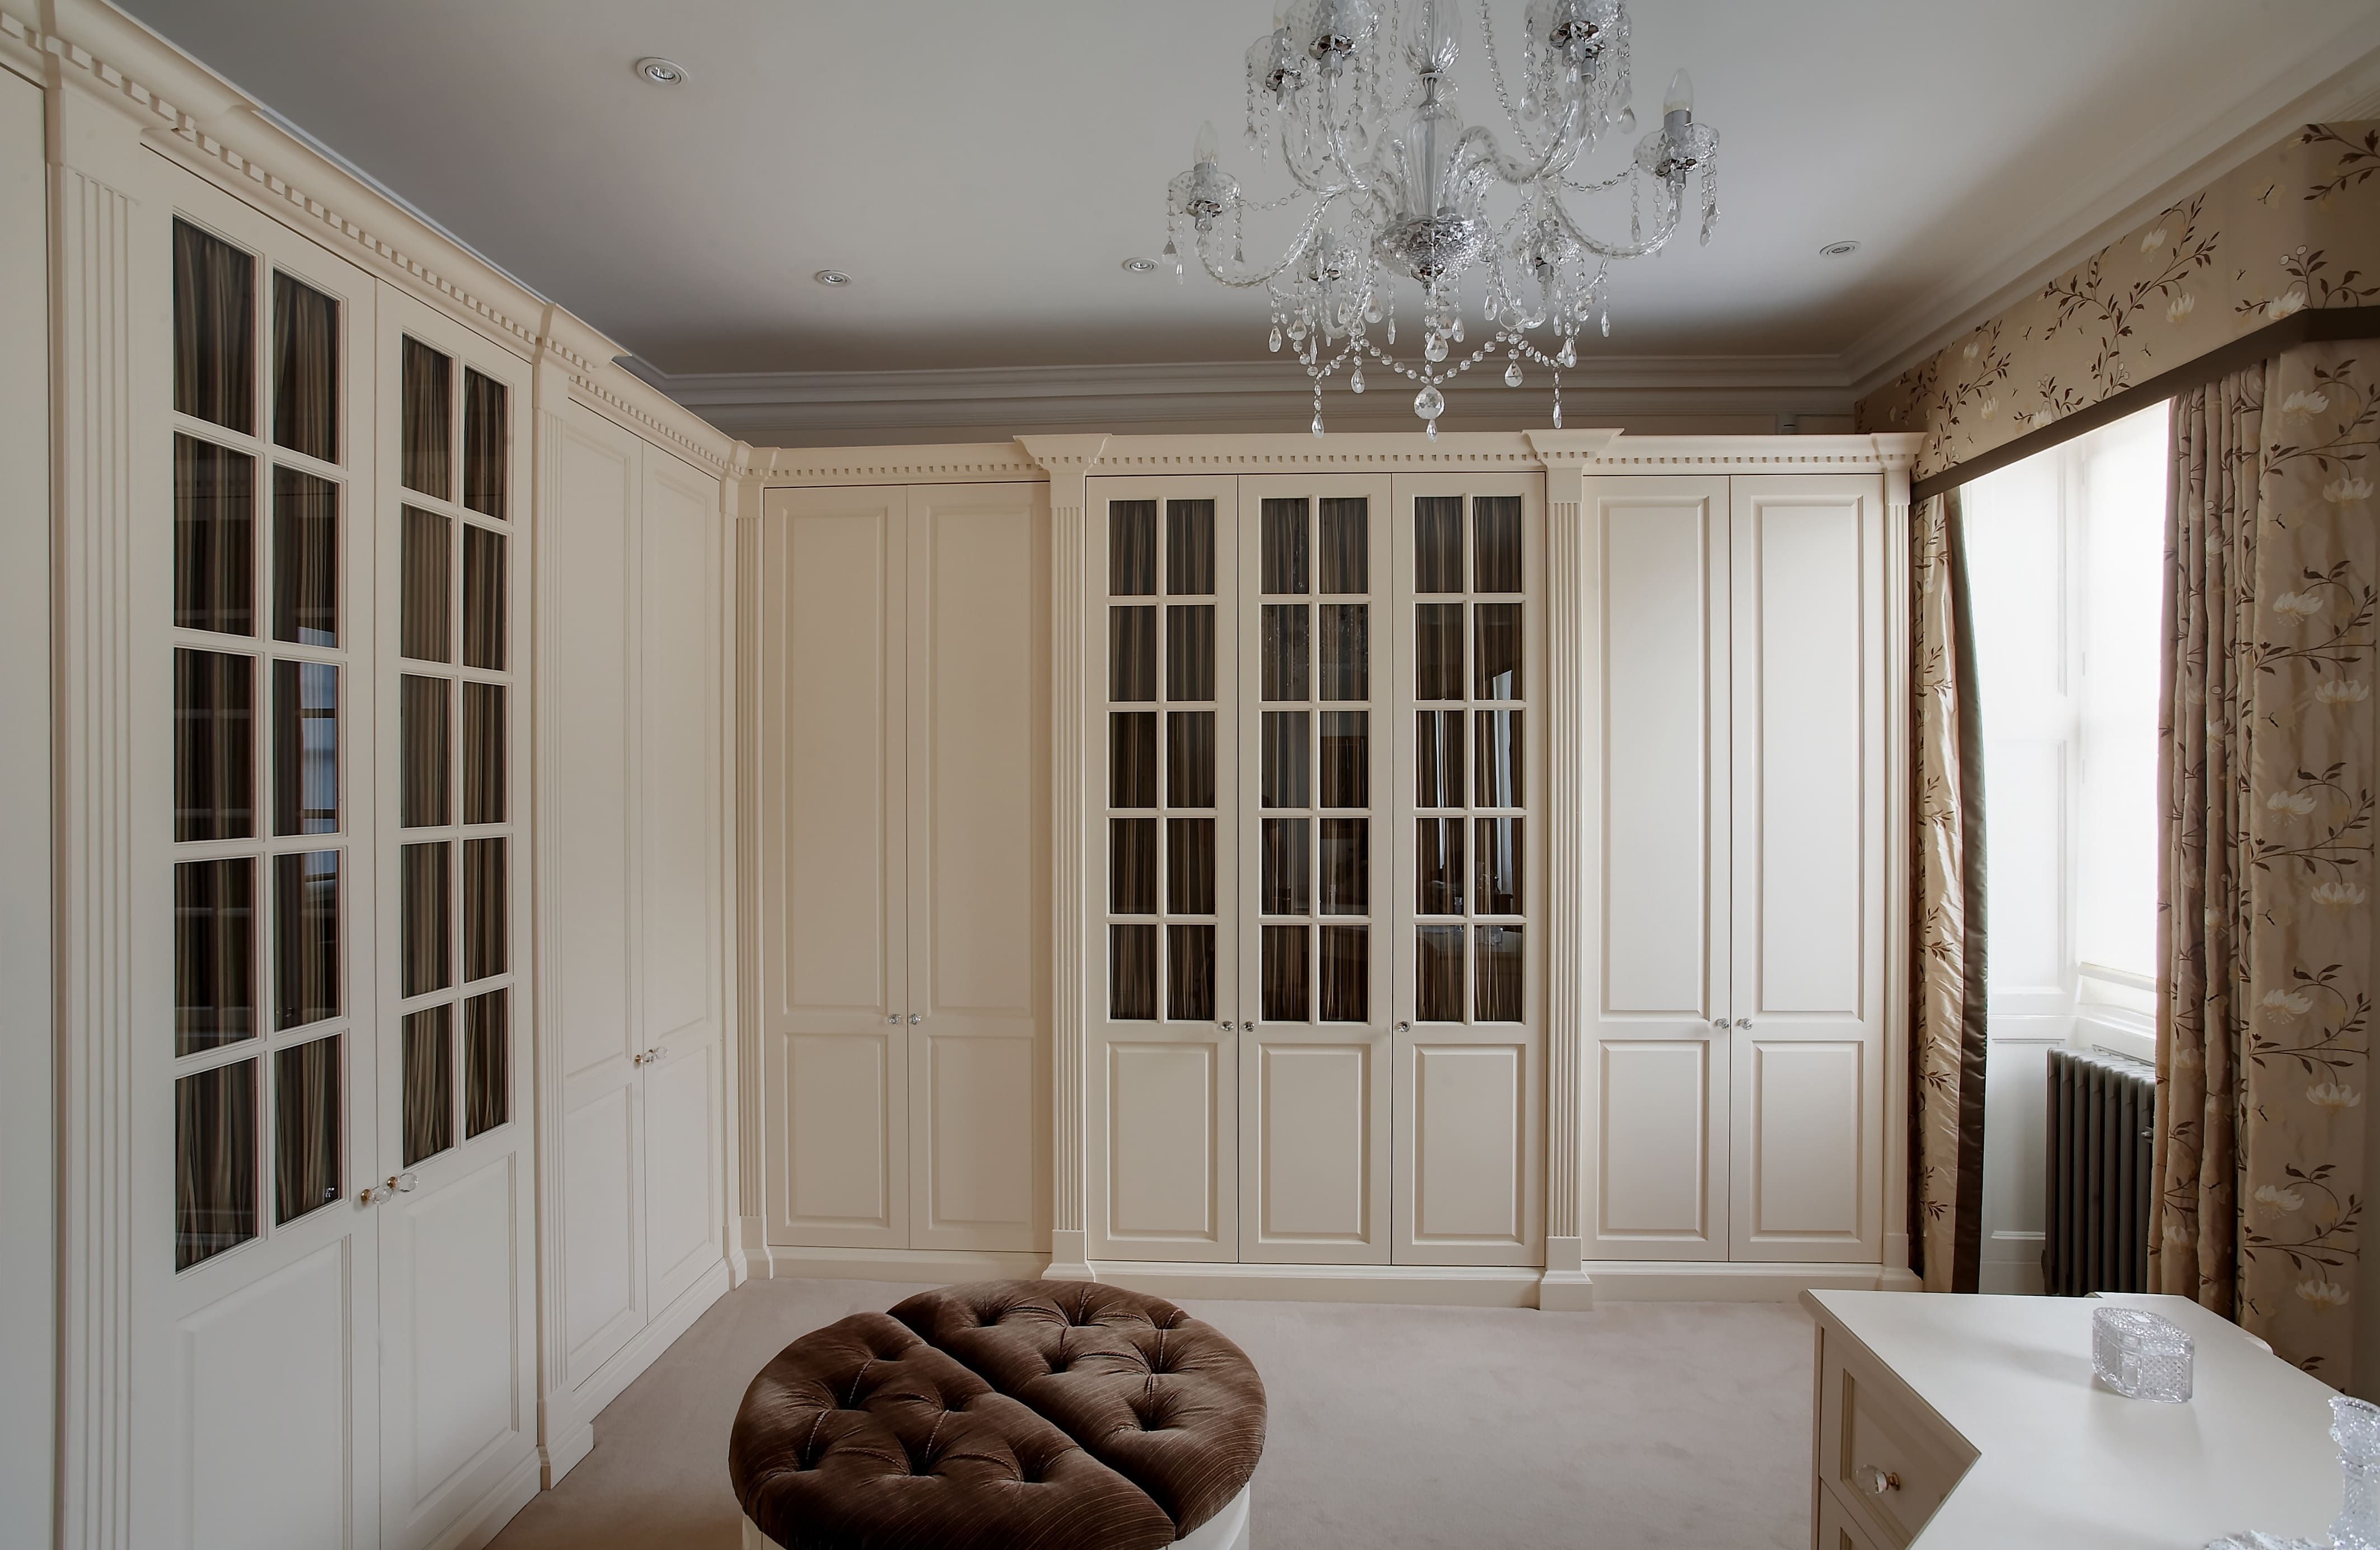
pixel 1684 1424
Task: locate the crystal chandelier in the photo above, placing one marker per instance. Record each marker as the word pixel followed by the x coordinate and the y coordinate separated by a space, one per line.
pixel 1392 182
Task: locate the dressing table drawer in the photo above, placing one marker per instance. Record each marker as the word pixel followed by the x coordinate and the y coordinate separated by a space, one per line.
pixel 1886 1460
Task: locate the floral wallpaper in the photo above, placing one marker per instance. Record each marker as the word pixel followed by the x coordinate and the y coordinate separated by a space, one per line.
pixel 2298 227
pixel 2265 929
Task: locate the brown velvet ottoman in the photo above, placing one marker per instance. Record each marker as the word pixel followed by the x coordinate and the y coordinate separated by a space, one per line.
pixel 1003 1415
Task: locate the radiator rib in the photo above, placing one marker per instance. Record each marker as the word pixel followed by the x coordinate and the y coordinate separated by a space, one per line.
pixel 2095 1230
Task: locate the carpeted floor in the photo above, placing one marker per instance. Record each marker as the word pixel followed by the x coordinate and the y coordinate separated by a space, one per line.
pixel 1391 1428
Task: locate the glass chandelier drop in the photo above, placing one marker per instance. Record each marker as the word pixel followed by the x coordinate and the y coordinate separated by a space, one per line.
pixel 1393 182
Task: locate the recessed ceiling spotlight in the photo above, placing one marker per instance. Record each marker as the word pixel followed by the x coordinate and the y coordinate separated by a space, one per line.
pixel 1141 266
pixel 660 72
pixel 1838 250
pixel 831 277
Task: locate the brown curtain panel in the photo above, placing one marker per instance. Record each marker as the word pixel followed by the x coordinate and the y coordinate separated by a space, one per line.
pixel 1947 1027
pixel 2266 783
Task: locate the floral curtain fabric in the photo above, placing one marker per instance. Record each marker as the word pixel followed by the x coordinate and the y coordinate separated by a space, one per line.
pixel 2265 929
pixel 2295 228
pixel 1947 1026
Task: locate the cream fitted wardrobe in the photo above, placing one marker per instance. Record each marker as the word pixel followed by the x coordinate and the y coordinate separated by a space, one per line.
pixel 1466 863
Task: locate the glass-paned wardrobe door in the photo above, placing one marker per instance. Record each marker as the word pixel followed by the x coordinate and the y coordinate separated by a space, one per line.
pixel 1162 696
pixel 268 615
pixel 1468 563
pixel 1314 576
pixel 450 423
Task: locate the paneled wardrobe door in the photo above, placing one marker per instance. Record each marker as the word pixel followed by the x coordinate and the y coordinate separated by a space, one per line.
pixel 1657 1036
pixel 680 992
pixel 261 1267
pixel 1468 988
pixel 834 826
pixel 1315 674
pixel 457 1260
pixel 1163 781
pixel 979 961
pixel 592 1040
pixel 1809 684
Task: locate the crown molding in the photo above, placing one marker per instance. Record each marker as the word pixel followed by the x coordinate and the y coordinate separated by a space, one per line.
pixel 818 406
pixel 2159 170
pixel 205 123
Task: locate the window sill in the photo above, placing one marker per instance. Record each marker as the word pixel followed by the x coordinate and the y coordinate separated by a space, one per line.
pixel 2102 1034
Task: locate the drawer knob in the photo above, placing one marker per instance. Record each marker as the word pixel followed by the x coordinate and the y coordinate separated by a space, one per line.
pixel 1876 1482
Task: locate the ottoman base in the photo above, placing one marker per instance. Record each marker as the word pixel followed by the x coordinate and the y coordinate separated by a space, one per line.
pixel 1228 1530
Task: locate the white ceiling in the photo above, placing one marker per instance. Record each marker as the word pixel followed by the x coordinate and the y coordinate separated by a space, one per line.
pixel 982 169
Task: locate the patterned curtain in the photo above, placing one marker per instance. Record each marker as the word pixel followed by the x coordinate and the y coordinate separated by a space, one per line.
pixel 2265 780
pixel 1948 1019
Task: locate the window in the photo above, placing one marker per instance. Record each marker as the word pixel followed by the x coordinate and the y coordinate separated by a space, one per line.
pixel 2066 557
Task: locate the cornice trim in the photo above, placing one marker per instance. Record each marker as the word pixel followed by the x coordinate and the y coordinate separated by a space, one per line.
pixel 237 143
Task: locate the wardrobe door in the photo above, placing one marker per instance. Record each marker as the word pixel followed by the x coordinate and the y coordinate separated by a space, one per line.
pixel 679 988
pixel 592 1031
pixel 1809 823
pixel 1468 990
pixel 1659 1033
pixel 1316 675
pixel 458 1271
pixel 1162 783
pixel 978 866
pixel 835 966
pixel 257 1264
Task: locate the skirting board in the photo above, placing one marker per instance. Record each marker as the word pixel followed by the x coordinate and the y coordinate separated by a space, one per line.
pixel 498 1508
pixel 929 1266
pixel 569 1419
pixel 1651 1280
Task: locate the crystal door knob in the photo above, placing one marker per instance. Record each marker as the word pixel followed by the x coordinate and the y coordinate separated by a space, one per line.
pixel 892 1017
pixel 1719 1023
pixel 915 1019
pixel 404 1183
pixel 1743 1022
pixel 1404 1027
pixel 1247 1027
pixel 374 1196
pixel 1876 1482
pixel 1225 1024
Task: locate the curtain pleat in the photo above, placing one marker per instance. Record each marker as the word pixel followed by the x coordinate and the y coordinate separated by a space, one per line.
pixel 214 329
pixel 427 430
pixel 307 1105
pixel 429 1061
pixel 2265 783
pixel 1948 1023
pixel 305 369
pixel 214 1162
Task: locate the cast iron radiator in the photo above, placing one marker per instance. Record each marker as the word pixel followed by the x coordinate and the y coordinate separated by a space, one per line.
pixel 2102 1116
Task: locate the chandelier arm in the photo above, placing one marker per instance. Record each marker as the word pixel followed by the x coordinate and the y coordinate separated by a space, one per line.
pixel 1250 279
pixel 1665 225
pixel 1495 74
pixel 1339 157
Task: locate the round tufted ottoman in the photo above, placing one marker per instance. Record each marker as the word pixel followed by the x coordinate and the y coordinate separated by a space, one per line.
pixel 1003 1415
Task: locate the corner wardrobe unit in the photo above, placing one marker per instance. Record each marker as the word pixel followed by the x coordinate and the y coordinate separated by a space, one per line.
pixel 1470 861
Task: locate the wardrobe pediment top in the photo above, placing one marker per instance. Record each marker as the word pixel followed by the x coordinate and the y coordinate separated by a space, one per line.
pixel 1592 451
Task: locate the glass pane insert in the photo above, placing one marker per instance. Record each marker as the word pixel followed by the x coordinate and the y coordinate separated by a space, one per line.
pixel 1283 769
pixel 1499 652
pixel 1132 758
pixel 1190 651
pixel 1438 866
pixel 425 615
pixel 1499 867
pixel 1190 973
pixel 214 749
pixel 429 1059
pixel 1132 549
pixel 1132 865
pixel 1438 543
pixel 1345 552
pixel 214 330
pixel 1499 973
pixel 1439 780
pixel 487 908
pixel 485 612
pixel 1438 980
pixel 1132 653
pixel 305 369
pixel 305 748
pixel 1283 646
pixel 215 538
pixel 428 920
pixel 1346 974
pixel 1499 759
pixel 483 753
pixel 487 1062
pixel 1346 759
pixel 1190 548
pixel 305 937
pixel 429 421
pixel 1284 524
pixel 1190 865
pixel 1189 759
pixel 424 731
pixel 1496 563
pixel 308 1107
pixel 1346 651
pixel 1346 866
pixel 305 559
pixel 1285 867
pixel 1437 651
pixel 214 1162
pixel 215 953
pixel 1283 992
pixel 1132 973
pixel 484 442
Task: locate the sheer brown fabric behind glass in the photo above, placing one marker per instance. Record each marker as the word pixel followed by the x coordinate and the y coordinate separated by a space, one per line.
pixel 215 538
pixel 306 1121
pixel 305 369
pixel 428 454
pixel 214 330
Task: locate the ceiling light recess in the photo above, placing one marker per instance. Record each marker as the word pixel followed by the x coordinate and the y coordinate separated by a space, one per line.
pixel 831 277
pixel 1843 249
pixel 1140 266
pixel 659 71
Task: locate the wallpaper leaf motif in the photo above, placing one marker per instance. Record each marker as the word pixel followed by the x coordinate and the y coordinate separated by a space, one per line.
pixel 2233 258
pixel 2265 931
